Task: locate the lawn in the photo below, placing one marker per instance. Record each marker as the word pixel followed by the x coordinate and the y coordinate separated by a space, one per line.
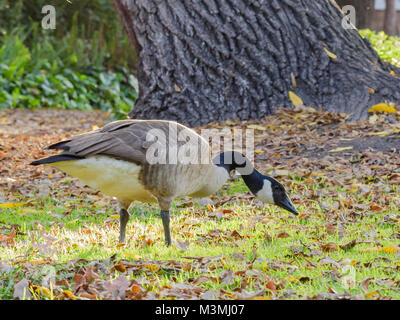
pixel 59 239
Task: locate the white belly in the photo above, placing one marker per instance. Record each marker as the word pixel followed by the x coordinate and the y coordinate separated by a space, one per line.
pixel 116 178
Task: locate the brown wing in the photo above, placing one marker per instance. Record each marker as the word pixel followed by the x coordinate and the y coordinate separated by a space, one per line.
pixel 125 139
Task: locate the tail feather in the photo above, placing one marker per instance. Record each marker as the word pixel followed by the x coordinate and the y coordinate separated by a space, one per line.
pixel 56 158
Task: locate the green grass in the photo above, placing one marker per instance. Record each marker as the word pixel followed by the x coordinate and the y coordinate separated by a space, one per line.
pixel 85 231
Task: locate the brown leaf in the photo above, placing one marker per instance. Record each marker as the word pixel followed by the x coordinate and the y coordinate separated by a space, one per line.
pixel 226 276
pixel 235 235
pixel 119 267
pixel 328 247
pixel 331 228
pixel 203 279
pixel 349 245
pixel 283 235
pixel 118 287
pixel 271 286
pixel 176 88
pixel 365 283
pixel 78 279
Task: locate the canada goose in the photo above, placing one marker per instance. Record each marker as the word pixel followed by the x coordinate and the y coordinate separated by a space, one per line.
pixel 143 160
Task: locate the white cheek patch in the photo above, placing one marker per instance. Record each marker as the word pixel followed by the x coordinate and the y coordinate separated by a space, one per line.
pixel 265 194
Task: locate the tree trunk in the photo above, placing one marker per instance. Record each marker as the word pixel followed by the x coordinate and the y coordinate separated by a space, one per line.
pixel 210 60
pixel 390 17
pixel 364 11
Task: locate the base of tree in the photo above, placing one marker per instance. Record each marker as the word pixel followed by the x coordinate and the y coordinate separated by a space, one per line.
pixel 203 60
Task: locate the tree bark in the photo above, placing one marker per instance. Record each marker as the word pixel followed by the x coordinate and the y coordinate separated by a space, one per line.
pixel 211 60
pixel 364 10
pixel 390 18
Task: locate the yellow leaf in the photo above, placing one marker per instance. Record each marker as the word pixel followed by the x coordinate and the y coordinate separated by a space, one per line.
pixel 371 90
pixel 28 210
pixel 258 151
pixel 296 100
pixel 115 216
pixel 281 172
pixel 371 294
pixel 69 294
pixel 330 54
pixel 209 207
pixel 95 127
pixel 152 267
pixel 120 267
pixel 392 73
pixel 229 122
pixel 380 134
pixel 256 127
pixel 133 256
pixel 340 149
pixel 382 107
pixel 259 298
pixel 11 205
pixel 291 279
pixel 391 249
pixel 41 290
pixel 388 249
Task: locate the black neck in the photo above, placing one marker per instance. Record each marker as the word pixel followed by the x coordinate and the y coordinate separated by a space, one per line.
pixel 233 160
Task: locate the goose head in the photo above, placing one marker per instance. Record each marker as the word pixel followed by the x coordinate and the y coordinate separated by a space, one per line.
pixel 264 188
pixel 272 192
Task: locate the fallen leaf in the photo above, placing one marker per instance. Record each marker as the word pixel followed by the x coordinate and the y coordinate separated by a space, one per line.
pixel 283 235
pixel 295 99
pixel 176 88
pixel 341 149
pixel 256 127
pixel 330 54
pixel 328 247
pixel 11 205
pixel 371 295
pixel 382 107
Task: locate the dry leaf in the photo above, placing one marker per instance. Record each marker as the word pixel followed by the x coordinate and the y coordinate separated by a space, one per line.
pixel 330 54
pixel 256 127
pixel 382 107
pixel 296 100
pixel 340 149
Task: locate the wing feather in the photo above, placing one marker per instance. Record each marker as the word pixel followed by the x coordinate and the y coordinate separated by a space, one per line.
pixel 124 139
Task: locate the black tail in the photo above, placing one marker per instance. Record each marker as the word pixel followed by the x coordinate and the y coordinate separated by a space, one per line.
pixel 56 158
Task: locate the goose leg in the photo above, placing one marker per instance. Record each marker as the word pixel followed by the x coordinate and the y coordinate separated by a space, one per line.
pixel 165 219
pixel 123 220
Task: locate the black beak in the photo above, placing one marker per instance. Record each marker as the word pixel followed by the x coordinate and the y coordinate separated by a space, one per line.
pixel 288 205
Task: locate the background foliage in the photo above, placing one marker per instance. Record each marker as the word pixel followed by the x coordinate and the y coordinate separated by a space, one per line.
pixel 87 62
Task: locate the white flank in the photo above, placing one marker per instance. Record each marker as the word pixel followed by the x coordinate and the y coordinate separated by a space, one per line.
pixel 214 181
pixel 116 178
pixel 265 194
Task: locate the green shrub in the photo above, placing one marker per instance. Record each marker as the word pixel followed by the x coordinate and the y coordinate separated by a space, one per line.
pixel 82 64
pixel 88 32
pixel 388 48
